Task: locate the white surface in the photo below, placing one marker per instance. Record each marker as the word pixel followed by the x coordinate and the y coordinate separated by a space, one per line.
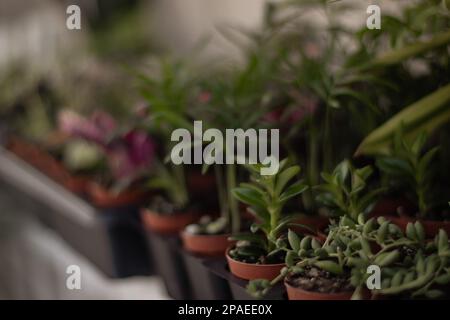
pixel 33 262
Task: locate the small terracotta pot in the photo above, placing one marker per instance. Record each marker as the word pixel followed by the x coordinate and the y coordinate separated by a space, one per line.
pixel 205 244
pixel 103 198
pixel 167 224
pixel 316 223
pixel 431 227
pixel 251 271
pixel 294 293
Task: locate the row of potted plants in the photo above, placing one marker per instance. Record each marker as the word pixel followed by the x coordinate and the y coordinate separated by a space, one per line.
pixel 320 233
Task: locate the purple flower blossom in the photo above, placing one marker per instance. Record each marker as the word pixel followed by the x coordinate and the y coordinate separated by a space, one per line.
pixel 131 154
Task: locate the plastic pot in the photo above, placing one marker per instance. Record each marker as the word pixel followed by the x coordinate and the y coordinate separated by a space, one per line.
pixel 204 283
pixel 170 265
pixel 238 287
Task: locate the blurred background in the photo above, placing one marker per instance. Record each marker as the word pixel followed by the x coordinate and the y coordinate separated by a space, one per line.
pixel 43 65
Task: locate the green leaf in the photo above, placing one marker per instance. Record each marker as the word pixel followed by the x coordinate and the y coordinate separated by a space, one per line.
pixel 387 258
pixel 294 240
pixel 394 166
pixel 425 115
pixel 443 279
pixel 400 55
pixel 329 266
pixel 293 190
pixel 434 294
pixel 442 241
pixel 248 196
pixel 290 258
pixel 284 177
pixel 342 171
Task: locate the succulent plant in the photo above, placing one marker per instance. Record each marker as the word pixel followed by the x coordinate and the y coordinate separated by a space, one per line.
pixel 346 190
pixel 410 168
pixel 409 264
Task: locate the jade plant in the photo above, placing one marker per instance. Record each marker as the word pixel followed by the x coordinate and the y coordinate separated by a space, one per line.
pixel 410 168
pixel 346 190
pixel 266 196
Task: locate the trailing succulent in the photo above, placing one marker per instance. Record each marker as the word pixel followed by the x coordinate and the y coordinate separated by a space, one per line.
pixel 409 168
pixel 346 191
pixel 410 266
pixel 266 196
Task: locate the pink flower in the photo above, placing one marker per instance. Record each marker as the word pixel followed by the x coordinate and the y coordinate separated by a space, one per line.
pixel 128 155
pixel 96 129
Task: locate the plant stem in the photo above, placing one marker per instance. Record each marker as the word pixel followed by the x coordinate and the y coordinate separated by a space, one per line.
pixel 233 205
pixel 183 197
pixel 221 190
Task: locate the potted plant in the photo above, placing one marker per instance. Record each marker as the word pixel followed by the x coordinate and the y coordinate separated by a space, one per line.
pixel 423 272
pixel 129 153
pixel 337 268
pixel 256 255
pixel 347 191
pixel 410 169
pixel 169 94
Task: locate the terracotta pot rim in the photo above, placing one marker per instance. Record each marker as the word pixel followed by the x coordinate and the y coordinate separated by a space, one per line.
pixel 251 264
pixel 336 294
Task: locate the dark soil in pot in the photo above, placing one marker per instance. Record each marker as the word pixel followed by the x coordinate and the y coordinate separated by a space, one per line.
pixel 317 284
pixel 207 237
